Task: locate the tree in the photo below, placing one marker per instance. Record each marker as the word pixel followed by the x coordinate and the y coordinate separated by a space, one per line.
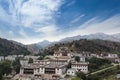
pixel 16 65
pixel 30 60
pixel 50 52
pixel 118 67
pixel 81 75
pixel 92 77
pixel 41 57
pixel 69 65
pixel 97 63
pixel 77 58
pixel 1 74
pixel 5 68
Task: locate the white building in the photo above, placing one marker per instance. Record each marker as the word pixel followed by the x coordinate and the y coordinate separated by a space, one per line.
pixel 11 57
pixel 58 61
pixel 20 55
pixel 70 54
pixel 80 67
pixel 52 68
pixel 1 58
pixel 57 69
pixel 82 59
pixel 63 51
pixel 32 69
pixel 112 56
pixel 24 62
pixel 42 62
pixel 71 72
pixel 77 54
pixel 57 54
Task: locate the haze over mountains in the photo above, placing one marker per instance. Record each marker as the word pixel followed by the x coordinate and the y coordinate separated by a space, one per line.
pixel 34 48
pixel 102 36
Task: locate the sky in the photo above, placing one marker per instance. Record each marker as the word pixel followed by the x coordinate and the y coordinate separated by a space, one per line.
pixel 32 21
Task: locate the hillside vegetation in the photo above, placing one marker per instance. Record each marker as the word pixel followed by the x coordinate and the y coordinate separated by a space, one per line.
pixel 93 46
pixel 9 48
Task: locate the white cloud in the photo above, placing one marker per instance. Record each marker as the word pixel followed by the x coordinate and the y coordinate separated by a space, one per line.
pixel 48 30
pixel 109 26
pixel 5 17
pixel 38 15
pixel 23 34
pixel 7 34
pixel 3 14
pixel 71 3
pixel 77 18
pixel 35 14
pixel 39 11
pixel 11 33
pixel 28 41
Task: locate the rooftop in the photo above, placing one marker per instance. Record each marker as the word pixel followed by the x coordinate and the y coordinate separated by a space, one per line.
pixel 63 57
pixel 81 64
pixel 32 66
pixel 52 65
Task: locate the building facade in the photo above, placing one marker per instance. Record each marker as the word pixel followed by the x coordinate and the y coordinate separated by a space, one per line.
pixel 80 67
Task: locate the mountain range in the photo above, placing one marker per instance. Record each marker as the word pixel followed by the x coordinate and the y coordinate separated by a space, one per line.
pixel 11 48
pixel 41 45
pixel 96 46
pixel 102 36
pixel 34 48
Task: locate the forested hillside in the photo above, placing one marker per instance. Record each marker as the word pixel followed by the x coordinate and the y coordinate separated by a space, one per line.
pixel 9 48
pixel 94 46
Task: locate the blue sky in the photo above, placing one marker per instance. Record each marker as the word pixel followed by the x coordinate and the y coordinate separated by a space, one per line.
pixel 31 21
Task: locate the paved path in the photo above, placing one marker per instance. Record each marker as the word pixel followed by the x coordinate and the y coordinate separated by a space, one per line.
pixel 104 69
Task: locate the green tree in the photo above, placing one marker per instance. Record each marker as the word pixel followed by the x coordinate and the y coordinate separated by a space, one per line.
pixel 1 74
pixel 92 77
pixel 5 68
pixel 77 58
pixel 118 67
pixel 30 60
pixel 16 65
pixel 69 65
pixel 97 63
pixel 81 75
